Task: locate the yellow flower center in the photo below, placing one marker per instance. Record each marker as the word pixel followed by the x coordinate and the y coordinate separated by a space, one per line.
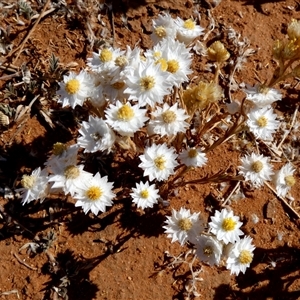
pixel 121 61
pixel 96 136
pixel 263 89
pixel 71 172
pixel 160 31
pixel 173 66
pixel 192 153
pixel 189 24
pixel 59 148
pixel 147 83
pixel 160 162
pixel 245 257
pixel 169 116
pixel 289 180
pixel 257 166
pixel 157 54
pixel 163 64
pixel 144 194
pixel 125 113
pixel 185 224
pixel 94 193
pixel 262 121
pixel 106 55
pixel 208 251
pixel 72 86
pixel 228 224
pixel 118 85
pixel 28 181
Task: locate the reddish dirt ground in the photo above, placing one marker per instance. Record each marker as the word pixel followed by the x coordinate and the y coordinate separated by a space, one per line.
pixel 117 254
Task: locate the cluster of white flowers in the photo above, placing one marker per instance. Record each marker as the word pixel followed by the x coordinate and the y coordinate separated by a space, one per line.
pixel 221 243
pixel 257 169
pixel 133 96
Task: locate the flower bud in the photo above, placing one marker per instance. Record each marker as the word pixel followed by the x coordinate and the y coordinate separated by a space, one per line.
pixel 217 52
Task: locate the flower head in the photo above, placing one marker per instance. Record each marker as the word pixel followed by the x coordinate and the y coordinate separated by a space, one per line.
pixel 75 88
pixel 183 226
pixel 226 226
pixel 187 30
pixel 96 135
pixel 168 120
pixel 261 95
pixel 262 123
pixel 34 186
pixel 144 195
pixel 193 157
pixel 163 28
pixel 125 118
pixel 209 249
pixel 240 256
pixel 158 162
pixel 95 194
pixel 256 168
pixel 284 179
pixel 147 84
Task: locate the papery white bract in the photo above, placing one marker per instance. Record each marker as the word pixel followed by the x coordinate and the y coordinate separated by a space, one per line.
pixel 262 96
pixel 34 186
pixel 177 60
pixel 209 249
pixel 75 88
pixel 96 135
pixel 144 195
pixel 256 168
pixel 240 255
pixel 125 118
pixel 147 84
pixel 67 177
pixel 284 179
pixel 187 30
pixel 225 226
pixel 94 194
pixel 193 157
pixel 158 162
pixel 163 28
pixel 104 60
pixel 262 123
pixel 168 120
pixel 183 226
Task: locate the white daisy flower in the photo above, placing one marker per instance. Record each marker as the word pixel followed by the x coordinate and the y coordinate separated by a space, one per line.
pixel 284 179
pixel 61 155
pixel 209 249
pixel 144 195
pixel 193 157
pixel 183 226
pixel 163 28
pixel 240 256
pixel 34 186
pixel 261 95
pixel 96 135
pixel 226 226
pixel 262 123
pixel 104 60
pixel 158 162
pixel 67 177
pixel 124 118
pixel 75 88
pixel 147 84
pixel 94 194
pixel 176 60
pixel 168 120
pixel 187 30
pixel 256 168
